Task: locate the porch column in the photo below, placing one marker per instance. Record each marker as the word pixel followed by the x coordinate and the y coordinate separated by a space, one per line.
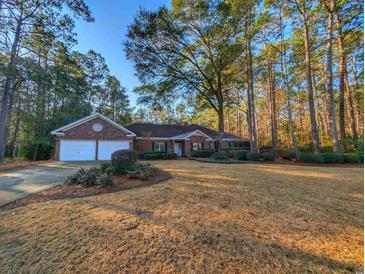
pixel 173 146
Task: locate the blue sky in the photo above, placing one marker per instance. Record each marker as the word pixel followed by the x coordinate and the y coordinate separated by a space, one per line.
pixel 107 33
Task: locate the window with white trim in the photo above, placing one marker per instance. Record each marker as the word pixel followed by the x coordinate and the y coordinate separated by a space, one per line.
pixel 211 145
pixel 197 146
pixel 159 146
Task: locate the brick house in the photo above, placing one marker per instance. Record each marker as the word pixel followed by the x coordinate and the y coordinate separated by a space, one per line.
pixel 95 137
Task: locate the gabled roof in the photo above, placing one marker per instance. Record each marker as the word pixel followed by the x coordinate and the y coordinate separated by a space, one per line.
pixel 188 134
pixel 174 131
pixel 61 130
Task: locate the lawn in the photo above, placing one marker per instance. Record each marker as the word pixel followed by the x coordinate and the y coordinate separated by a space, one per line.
pixel 209 218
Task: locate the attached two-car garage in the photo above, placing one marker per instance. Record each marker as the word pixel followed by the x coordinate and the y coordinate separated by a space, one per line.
pixel 94 137
pixel 87 150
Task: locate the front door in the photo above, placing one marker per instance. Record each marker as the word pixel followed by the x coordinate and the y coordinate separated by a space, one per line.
pixel 178 149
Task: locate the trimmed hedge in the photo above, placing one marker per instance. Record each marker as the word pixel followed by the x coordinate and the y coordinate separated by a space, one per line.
pixel 351 158
pixel 287 154
pixel 239 154
pixel 311 158
pixel 332 158
pixel 220 155
pixel 155 155
pixel 203 153
pixel 253 156
pixel 266 149
pixel 235 148
pixel 268 156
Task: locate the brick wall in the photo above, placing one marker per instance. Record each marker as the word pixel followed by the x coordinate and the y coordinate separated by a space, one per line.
pixel 85 131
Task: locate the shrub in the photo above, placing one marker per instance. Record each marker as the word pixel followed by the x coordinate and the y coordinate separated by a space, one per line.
pixel 235 148
pixel 240 154
pixel 332 158
pixel 326 149
pixel 268 156
pixel 122 160
pixel 311 158
pixel 76 177
pixel 253 156
pixel 104 179
pixel 220 155
pixel 106 168
pixel 155 155
pixel 93 176
pixel 203 153
pixel 265 149
pixel 287 154
pixel 37 150
pixel 88 178
pixel 351 158
pixel 140 171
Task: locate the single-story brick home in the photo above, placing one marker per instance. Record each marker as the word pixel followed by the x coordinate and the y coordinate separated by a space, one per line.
pixel 96 137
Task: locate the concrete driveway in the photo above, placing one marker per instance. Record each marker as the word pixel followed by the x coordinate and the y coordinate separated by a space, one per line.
pixel 19 182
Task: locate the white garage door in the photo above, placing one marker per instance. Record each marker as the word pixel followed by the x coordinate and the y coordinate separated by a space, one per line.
pixel 106 148
pixel 80 150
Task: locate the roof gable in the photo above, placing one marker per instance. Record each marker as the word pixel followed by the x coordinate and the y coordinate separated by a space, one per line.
pixel 60 131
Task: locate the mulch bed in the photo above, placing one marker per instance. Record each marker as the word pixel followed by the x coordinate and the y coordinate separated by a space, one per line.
pixel 66 191
pixel 21 163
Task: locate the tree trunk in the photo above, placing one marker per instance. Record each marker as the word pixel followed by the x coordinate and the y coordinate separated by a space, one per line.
pixel 288 88
pixel 329 72
pixel 272 103
pixel 9 82
pixel 355 84
pixel 220 125
pixel 344 85
pixel 252 101
pixel 312 110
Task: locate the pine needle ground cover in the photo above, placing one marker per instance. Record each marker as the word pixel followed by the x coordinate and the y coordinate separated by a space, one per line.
pixel 254 218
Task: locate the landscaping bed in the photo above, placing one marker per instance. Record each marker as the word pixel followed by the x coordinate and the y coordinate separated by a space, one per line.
pixel 70 191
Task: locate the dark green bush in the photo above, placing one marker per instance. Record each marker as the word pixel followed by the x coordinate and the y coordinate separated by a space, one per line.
pixel 332 158
pixel 326 149
pixel 235 148
pixel 220 155
pixel 311 158
pixel 36 150
pixel 351 158
pixel 268 156
pixel 140 171
pixel 264 149
pixel 287 155
pixel 106 168
pixel 253 156
pixel 155 155
pixel 122 160
pixel 203 153
pixel 239 154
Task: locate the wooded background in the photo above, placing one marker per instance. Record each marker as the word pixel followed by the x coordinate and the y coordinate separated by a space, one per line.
pixel 286 74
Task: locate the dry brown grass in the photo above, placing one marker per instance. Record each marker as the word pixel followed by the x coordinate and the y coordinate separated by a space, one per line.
pixel 256 218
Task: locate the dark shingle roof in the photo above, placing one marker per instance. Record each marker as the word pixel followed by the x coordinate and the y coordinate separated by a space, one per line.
pixel 168 131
